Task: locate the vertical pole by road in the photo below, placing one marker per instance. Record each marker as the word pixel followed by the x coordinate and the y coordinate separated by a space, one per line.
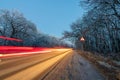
pixel 82 40
pixel 82 46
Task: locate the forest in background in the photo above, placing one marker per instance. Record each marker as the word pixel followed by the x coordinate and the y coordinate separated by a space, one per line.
pixel 100 26
pixel 14 25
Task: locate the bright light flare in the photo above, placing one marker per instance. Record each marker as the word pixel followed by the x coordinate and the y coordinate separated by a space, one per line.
pixel 15 48
pixel 10 51
pixel 22 54
pixel 61 49
pixel 1 55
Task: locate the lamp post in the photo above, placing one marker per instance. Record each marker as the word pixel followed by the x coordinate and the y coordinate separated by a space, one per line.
pixel 82 40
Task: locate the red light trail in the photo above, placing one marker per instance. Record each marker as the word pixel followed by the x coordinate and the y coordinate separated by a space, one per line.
pixel 11 39
pixel 10 51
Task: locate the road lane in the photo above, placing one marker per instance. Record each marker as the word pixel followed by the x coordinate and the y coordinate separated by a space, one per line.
pixel 74 67
pixel 9 67
pixel 31 72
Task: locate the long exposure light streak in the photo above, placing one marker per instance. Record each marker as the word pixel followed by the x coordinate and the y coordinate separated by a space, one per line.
pixel 12 39
pixel 10 51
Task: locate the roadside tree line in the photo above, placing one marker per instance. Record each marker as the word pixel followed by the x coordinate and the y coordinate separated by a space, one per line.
pixel 100 26
pixel 14 25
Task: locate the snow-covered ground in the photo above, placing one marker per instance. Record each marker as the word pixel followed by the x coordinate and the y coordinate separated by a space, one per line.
pixel 74 67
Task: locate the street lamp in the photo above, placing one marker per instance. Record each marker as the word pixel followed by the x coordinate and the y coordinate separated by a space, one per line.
pixel 82 41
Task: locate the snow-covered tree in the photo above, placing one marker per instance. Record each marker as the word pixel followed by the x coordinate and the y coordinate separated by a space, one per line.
pixel 100 27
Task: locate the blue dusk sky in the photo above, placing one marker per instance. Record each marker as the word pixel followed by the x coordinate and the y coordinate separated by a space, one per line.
pixel 51 17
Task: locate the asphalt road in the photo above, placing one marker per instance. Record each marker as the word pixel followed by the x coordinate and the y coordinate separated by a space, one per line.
pixel 74 67
pixel 29 67
pixel 57 64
